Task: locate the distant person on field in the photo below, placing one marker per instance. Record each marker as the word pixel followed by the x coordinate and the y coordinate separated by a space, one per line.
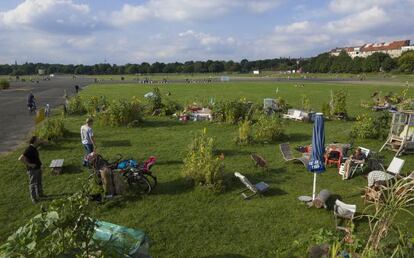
pixel 47 110
pixel 87 138
pixel 76 89
pixel 31 159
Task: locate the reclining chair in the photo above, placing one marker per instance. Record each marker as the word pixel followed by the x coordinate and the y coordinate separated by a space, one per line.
pixel 258 188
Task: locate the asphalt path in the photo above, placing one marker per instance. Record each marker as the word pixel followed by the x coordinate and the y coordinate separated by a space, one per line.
pixel 15 121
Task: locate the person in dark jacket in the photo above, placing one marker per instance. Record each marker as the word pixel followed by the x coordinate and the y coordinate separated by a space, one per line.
pixel 31 159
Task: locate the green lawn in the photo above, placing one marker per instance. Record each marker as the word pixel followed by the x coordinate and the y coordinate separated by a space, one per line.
pixel 183 221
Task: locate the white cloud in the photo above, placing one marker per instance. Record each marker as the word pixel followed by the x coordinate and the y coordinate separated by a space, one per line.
pixel 296 27
pixel 181 10
pixel 359 22
pixel 349 6
pixel 56 16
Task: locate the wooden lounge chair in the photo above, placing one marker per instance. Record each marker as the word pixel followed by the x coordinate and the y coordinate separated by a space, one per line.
pixel 294 114
pixel 258 188
pixel 344 211
pixel 288 156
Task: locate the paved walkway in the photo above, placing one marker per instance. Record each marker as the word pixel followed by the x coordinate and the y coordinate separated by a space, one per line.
pixel 15 120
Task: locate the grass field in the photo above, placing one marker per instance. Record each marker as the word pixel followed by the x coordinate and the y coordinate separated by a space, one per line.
pixel 186 221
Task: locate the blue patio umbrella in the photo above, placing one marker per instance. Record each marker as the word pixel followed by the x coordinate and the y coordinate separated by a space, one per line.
pixel 316 163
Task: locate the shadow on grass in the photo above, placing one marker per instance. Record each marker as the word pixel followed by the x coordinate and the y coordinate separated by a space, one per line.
pixel 161 123
pixel 51 197
pixel 331 201
pixel 72 169
pixel 299 137
pixel 233 152
pixel 176 186
pixel 225 256
pixel 116 143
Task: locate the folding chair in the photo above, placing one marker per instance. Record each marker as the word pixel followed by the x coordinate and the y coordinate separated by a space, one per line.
pixel 357 165
pixel 258 188
pixel 344 211
pixel 392 171
pixel 288 156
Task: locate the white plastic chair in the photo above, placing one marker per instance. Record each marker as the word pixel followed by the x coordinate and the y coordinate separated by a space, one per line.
pixel 359 165
pixel 345 211
pixel 258 188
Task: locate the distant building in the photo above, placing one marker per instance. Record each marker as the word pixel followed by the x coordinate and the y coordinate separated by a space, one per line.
pixel 393 48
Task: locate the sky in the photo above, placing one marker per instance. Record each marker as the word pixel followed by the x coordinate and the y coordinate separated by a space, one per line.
pixel 136 31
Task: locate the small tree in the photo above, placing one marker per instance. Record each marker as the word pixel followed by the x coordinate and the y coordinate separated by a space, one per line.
pixel 155 101
pixel 201 165
pixel 306 103
pixel 269 129
pixel 245 133
pixel 338 103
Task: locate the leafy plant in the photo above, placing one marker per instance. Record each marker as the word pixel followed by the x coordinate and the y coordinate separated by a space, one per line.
pixel 94 104
pixel 122 113
pixel 51 129
pixel 338 103
pixel 75 106
pixel 171 107
pixel 371 126
pixel 326 110
pixel 64 230
pixel 232 112
pixel 395 198
pixel 4 84
pixel 283 105
pixel 269 128
pixel 201 165
pixel 306 103
pixel 245 133
pixel 155 101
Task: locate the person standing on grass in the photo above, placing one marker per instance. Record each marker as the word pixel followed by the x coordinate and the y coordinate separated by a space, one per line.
pixel 31 159
pixel 87 138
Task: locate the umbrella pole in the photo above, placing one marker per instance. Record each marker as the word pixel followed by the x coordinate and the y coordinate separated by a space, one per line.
pixel 314 186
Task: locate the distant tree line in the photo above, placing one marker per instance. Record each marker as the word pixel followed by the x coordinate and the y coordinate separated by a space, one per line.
pixel 323 63
pixel 343 63
pixel 210 66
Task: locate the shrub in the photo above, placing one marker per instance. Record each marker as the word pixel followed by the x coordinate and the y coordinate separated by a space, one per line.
pixel 95 104
pixel 171 107
pixel 4 84
pixel 122 113
pixel 269 128
pixel 51 129
pixel 232 112
pixel 245 133
pixel 283 105
pixel 155 101
pixel 201 165
pixel 64 230
pixel 326 110
pixel 338 103
pixel 371 126
pixel 306 103
pixel 75 106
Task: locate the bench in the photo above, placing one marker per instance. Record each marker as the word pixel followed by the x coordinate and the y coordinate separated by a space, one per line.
pixel 57 165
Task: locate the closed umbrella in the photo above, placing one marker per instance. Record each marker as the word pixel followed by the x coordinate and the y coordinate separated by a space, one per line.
pixel 316 163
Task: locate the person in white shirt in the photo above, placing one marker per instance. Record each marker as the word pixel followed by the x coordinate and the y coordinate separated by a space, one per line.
pixel 88 140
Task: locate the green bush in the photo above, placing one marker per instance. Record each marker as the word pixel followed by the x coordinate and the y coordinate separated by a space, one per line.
pixel 371 126
pixel 94 104
pixel 232 112
pixel 4 84
pixel 283 105
pixel 51 129
pixel 326 110
pixel 171 107
pixel 306 103
pixel 269 129
pixel 245 133
pixel 201 165
pixel 64 230
pixel 155 102
pixel 338 103
pixel 122 113
pixel 75 106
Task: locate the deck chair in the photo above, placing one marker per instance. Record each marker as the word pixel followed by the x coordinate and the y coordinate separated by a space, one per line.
pixel 288 156
pixel 258 188
pixel 343 211
pixel 392 171
pixel 360 165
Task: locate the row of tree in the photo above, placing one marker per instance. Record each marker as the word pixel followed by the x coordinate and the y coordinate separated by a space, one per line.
pixel 343 63
pixel 323 63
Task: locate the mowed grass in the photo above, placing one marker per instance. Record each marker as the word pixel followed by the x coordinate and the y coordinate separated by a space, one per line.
pixel 187 221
